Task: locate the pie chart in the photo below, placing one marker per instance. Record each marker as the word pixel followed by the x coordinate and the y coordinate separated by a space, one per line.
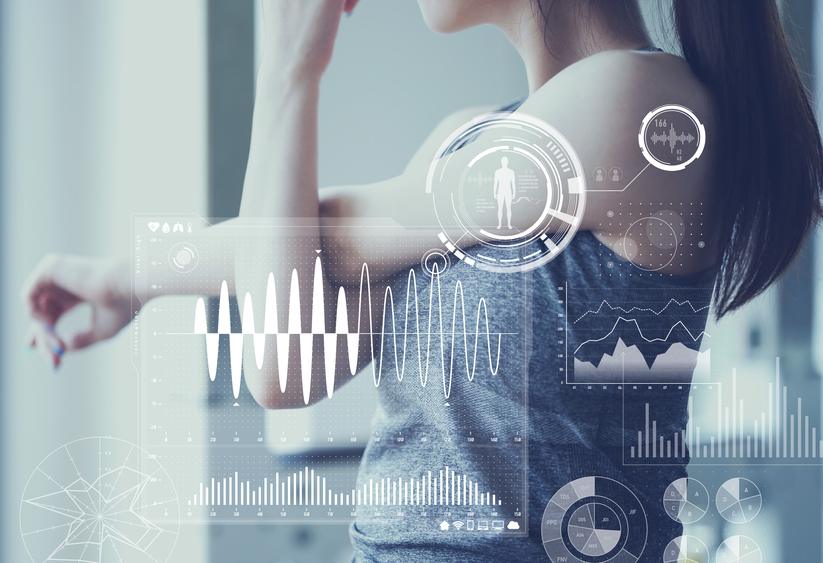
pixel 739 549
pixel 594 520
pixel 686 549
pixel 594 529
pixel 739 500
pixel 686 500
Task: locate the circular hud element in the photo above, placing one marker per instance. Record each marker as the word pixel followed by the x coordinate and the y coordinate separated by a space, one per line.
pixel 686 500
pixel 183 257
pixel 686 549
pixel 435 260
pixel 739 500
pixel 98 500
pixel 509 190
pixel 594 520
pixel 671 137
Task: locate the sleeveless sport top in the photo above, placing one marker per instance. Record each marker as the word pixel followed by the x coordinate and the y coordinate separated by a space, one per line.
pixel 524 418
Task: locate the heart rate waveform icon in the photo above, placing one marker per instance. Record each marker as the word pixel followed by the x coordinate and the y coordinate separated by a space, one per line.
pixel 154 225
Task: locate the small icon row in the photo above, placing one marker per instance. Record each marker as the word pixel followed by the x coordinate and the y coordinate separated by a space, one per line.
pixel 178 227
pixel 482 525
pixel 601 175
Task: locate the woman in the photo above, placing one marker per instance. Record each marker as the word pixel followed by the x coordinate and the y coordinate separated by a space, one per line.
pixel 593 75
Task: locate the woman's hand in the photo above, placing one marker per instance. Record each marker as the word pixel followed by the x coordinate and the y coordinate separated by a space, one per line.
pixel 300 34
pixel 60 283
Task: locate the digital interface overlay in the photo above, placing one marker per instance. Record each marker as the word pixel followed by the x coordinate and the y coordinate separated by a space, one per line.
pixel 438 340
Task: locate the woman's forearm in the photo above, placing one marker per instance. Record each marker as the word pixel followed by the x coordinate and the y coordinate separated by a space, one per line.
pixel 281 183
pixel 281 176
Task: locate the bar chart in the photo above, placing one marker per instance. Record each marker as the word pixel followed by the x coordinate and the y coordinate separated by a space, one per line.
pixel 780 433
pixel 420 500
pixel 305 488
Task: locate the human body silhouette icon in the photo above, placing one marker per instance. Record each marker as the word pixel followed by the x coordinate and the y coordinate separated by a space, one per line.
pixel 504 192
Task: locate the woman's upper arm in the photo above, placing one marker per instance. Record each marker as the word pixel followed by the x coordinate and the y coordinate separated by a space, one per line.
pixel 394 209
pixel 598 104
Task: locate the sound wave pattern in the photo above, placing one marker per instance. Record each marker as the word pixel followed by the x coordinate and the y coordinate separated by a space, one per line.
pixel 479 179
pixel 341 328
pixel 672 138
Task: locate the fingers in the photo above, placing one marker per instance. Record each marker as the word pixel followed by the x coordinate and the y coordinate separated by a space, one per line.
pixel 106 322
pixel 349 5
pixel 43 339
pixel 86 338
pixel 59 283
pixel 49 303
pixel 43 298
pixel 66 277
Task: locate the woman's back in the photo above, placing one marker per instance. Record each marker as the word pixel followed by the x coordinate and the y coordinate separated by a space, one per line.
pixel 523 428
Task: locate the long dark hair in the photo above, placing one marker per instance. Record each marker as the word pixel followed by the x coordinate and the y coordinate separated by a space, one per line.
pixel 769 173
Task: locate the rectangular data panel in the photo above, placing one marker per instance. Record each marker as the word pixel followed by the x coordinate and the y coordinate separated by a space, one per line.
pixel 642 335
pixel 238 316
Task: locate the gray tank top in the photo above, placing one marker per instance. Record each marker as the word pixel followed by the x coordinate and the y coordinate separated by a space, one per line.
pixel 557 321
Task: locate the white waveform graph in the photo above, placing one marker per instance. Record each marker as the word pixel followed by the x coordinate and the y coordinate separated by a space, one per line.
pixel 637 353
pixel 341 328
pixel 672 138
pixel 631 310
pixel 479 179
pixel 680 324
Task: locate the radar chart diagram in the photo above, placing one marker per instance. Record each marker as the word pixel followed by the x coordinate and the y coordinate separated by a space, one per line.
pixel 739 500
pixel 671 137
pixel 594 520
pixel 509 192
pixel 686 500
pixel 686 549
pixel 99 500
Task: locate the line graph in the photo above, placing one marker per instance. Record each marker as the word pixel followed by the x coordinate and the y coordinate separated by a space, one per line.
pixel 626 335
pixel 631 310
pixel 694 338
pixel 354 339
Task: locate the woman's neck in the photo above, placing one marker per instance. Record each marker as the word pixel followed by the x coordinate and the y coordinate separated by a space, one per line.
pixel 571 36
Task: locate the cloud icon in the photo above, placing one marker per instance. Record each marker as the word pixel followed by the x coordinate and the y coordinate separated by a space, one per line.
pixel 513 525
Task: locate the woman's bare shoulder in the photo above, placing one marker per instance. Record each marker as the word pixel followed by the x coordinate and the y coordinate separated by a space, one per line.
pixel 599 105
pixel 618 86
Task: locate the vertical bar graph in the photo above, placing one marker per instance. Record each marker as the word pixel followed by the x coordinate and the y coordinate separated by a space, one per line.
pixel 309 488
pixel 781 434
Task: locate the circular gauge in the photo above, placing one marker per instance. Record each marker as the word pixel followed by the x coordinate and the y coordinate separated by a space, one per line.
pixel 739 500
pixel 594 520
pixel 661 248
pixel 435 260
pixel 183 257
pixel 671 137
pixel 686 500
pixel 739 549
pixel 509 192
pixel 97 500
pixel 686 549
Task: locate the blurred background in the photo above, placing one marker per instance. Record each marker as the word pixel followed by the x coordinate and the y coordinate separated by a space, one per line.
pixel 144 106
